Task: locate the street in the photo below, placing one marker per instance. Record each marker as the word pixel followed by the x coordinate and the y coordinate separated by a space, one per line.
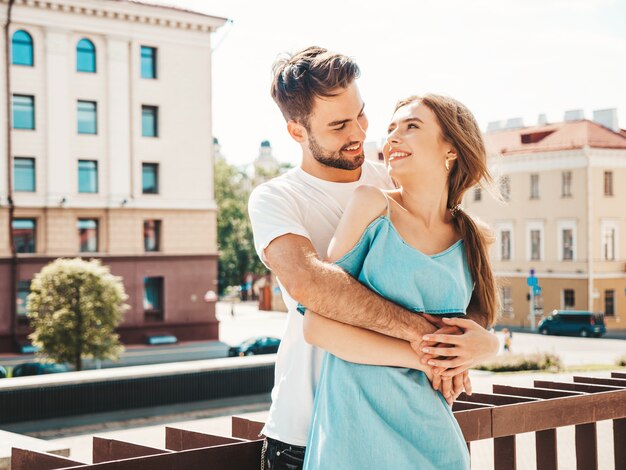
pixel 249 322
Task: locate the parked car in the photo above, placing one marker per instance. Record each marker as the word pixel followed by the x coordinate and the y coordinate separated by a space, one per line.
pixel 3 372
pixel 573 322
pixel 263 345
pixel 38 368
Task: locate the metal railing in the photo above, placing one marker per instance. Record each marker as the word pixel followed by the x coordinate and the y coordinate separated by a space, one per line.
pixel 500 416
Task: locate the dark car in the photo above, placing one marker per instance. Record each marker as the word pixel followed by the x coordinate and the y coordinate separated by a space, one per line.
pixel 264 345
pixel 573 322
pixel 38 368
pixel 3 372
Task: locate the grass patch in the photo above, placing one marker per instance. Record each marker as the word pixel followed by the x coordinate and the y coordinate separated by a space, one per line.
pixel 523 362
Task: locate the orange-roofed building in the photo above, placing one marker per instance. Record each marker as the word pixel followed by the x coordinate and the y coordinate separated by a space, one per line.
pixel 564 215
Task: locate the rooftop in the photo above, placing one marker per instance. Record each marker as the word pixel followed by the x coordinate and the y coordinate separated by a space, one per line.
pixel 565 135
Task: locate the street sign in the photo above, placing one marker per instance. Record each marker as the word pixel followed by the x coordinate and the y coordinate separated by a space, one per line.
pixel 536 290
pixel 532 281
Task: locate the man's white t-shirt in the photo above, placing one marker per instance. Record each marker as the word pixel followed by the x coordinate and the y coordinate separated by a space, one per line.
pixel 300 204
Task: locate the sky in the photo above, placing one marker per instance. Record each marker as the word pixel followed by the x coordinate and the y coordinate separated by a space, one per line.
pixel 502 58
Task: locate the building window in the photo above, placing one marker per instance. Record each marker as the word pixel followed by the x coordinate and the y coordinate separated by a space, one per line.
pixel 608 183
pixel 24 174
pixel 87 176
pixel 609 241
pixel 609 302
pixel 152 235
pixel 150 178
pixel 535 245
pixel 478 194
pixel 569 299
pixel 22 48
pixel 24 231
pixel 23 112
pixel 507 301
pixel 149 121
pixel 23 289
pixel 566 184
pixel 88 235
pixel 505 188
pixel 534 186
pixel 153 298
pixel 87 117
pixel 568 244
pixel 85 56
pixel 148 62
pixel 505 245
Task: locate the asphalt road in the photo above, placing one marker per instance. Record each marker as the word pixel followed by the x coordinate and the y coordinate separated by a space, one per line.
pixel 249 322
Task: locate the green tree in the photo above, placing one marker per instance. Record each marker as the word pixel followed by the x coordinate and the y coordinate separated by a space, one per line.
pixel 234 232
pixel 74 307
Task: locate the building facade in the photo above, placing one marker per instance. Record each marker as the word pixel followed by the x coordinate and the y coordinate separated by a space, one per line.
pixel 563 215
pixel 107 121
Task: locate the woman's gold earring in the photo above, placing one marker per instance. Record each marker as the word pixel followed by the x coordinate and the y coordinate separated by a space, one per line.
pixel 447 165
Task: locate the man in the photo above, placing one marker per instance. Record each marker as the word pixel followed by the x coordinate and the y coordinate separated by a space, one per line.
pixel 294 218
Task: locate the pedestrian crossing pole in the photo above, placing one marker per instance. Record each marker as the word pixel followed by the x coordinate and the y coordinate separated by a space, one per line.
pixel 533 286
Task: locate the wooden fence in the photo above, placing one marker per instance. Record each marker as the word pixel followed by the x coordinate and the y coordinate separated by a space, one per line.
pixel 500 416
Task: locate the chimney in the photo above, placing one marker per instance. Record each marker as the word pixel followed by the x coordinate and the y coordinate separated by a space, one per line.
pixel 514 123
pixel 542 120
pixel 494 126
pixel 574 115
pixel 606 118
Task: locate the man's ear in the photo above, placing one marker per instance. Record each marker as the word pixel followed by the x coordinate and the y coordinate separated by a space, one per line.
pixel 297 131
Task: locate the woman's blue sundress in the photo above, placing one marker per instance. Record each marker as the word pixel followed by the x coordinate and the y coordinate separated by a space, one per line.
pixel 375 417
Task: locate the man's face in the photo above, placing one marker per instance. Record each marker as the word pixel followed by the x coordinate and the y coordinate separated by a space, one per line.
pixel 336 129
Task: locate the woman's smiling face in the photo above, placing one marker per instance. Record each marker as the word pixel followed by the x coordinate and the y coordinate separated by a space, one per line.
pixel 415 146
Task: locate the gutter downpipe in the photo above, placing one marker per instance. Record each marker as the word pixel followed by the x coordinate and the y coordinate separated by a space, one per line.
pixel 590 244
pixel 9 150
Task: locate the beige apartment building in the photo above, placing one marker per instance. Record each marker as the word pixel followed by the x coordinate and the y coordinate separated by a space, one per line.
pixel 563 215
pixel 107 153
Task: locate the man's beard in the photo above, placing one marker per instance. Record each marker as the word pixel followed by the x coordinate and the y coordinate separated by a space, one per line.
pixel 335 159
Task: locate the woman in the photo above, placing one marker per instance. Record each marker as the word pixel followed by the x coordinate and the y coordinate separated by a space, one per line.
pixel 415 246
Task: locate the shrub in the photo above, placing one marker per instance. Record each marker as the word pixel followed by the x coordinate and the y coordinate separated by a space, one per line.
pixel 519 362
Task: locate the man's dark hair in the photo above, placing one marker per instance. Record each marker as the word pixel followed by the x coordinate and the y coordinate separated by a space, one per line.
pixel 311 72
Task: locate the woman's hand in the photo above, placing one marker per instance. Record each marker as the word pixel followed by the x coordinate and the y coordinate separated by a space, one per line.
pixel 458 352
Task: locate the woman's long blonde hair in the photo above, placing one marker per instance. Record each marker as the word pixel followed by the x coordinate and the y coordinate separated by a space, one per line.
pixel 460 129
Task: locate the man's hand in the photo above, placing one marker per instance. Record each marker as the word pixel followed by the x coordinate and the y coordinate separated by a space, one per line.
pixel 457 353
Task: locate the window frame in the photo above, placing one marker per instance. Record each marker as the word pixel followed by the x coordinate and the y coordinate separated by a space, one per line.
pixel 156 166
pixel 97 176
pixel 608 183
pixel 157 231
pixel 566 183
pixel 154 75
pixel 34 175
pixel 154 314
pixel 33 111
pixel 534 186
pixel 505 227
pixel 561 226
pixel 532 225
pixel 30 44
pixel 92 52
pixel 95 113
pixel 155 117
pixel 606 224
pixel 97 233
pixel 34 236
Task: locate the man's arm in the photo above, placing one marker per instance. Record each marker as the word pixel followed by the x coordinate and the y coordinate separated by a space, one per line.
pixel 330 291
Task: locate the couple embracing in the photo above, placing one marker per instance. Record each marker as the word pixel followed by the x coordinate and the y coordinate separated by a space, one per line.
pixel 387 280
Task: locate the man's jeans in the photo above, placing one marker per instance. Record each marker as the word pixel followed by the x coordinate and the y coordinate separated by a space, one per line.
pixel 282 456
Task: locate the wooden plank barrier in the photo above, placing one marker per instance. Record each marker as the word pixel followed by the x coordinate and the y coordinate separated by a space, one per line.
pixel 500 416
